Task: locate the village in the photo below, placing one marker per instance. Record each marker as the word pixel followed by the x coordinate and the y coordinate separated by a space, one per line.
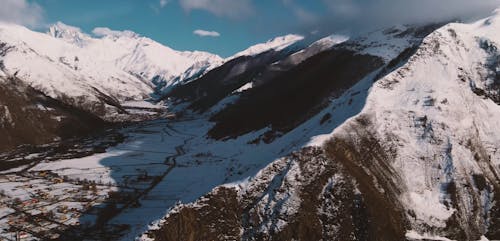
pixel 42 205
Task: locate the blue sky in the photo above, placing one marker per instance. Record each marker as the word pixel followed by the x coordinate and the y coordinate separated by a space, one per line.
pixel 173 23
pixel 233 25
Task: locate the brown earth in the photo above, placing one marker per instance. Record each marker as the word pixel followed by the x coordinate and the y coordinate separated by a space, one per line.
pixel 30 117
pixel 329 210
pixel 348 190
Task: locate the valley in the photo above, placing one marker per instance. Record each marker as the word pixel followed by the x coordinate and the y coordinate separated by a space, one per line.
pixel 384 135
pixel 132 178
pixel 114 185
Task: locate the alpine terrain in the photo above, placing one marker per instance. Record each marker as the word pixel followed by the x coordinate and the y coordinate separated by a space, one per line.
pixel 419 161
pixel 384 135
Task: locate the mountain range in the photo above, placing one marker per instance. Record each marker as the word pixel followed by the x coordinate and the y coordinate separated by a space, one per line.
pixel 388 135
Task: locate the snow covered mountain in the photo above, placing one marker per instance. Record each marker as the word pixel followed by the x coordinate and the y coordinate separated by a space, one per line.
pixel 138 55
pixel 95 74
pixel 237 71
pixel 248 69
pixel 110 75
pixel 419 160
pixel 389 135
pixel 290 91
pixel 260 54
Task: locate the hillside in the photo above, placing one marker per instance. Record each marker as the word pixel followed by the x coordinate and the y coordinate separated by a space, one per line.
pixel 419 162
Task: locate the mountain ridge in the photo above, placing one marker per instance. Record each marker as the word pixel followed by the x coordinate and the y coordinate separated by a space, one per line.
pixel 418 162
pixel 101 73
pixel 390 135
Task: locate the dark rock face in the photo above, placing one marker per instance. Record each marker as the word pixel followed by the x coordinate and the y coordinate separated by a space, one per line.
pixel 329 208
pixel 221 207
pixel 491 79
pixel 29 117
pixel 368 160
pixel 220 82
pixel 292 97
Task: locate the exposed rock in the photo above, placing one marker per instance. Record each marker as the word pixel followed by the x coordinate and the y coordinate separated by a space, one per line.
pixel 28 116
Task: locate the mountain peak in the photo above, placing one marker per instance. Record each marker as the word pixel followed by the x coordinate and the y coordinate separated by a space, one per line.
pixel 68 33
pixel 277 44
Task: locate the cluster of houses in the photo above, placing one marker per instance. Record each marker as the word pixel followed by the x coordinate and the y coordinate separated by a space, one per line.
pixel 45 204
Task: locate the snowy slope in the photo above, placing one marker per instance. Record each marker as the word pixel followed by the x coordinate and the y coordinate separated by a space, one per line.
pixel 81 70
pixel 444 128
pixel 316 47
pixel 137 54
pixel 419 162
pixel 386 43
pixel 272 197
pixel 293 60
pixel 426 140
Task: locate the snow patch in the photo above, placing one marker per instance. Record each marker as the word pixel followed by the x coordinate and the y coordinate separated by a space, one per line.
pixel 276 44
pixel 5 117
pixel 247 86
pixel 416 236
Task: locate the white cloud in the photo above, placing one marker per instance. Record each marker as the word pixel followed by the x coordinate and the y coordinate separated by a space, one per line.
pixel 221 8
pixel 372 13
pixel 302 14
pixel 205 33
pixel 104 32
pixel 163 3
pixel 156 7
pixel 21 12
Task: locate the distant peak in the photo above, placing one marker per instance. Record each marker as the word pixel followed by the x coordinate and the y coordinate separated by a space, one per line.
pixel 285 39
pixel 276 44
pixel 106 32
pixel 68 33
pixel 201 55
pixel 331 40
pixel 493 19
pixel 59 28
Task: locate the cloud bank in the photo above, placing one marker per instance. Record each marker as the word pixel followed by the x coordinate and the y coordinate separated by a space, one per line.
pixel 21 12
pixel 221 8
pixel 205 33
pixel 347 16
pixel 163 3
pixel 299 12
pixel 366 14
